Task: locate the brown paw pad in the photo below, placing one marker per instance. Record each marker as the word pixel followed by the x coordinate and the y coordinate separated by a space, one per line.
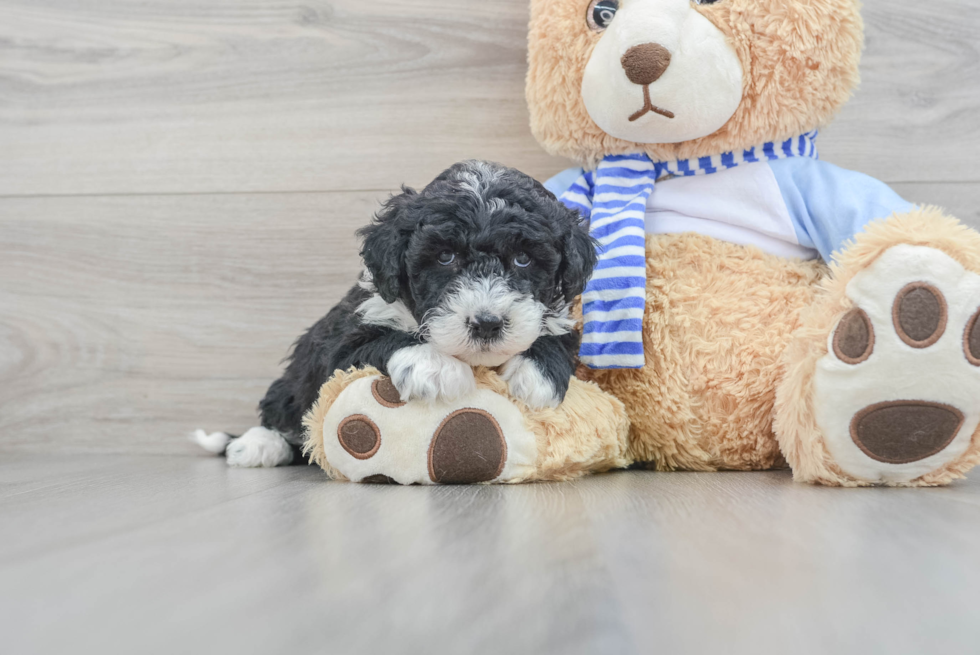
pixel 468 447
pixel 920 314
pixel 905 431
pixel 359 436
pixel 379 479
pixel 384 391
pixel 854 339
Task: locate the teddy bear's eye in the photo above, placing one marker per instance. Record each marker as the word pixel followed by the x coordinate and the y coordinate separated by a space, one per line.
pixel 601 13
pixel 705 2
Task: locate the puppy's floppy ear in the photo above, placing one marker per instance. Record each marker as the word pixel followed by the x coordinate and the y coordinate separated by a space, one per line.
pixel 385 244
pixel 542 190
pixel 578 257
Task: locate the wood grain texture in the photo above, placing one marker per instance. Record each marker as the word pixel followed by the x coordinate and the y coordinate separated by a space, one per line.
pixel 123 554
pixel 166 96
pixel 127 321
pixel 916 116
pixel 257 95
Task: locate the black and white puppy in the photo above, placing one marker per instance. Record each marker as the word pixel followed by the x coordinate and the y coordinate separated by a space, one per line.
pixel 478 268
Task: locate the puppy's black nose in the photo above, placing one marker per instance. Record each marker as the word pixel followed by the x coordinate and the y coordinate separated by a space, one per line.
pixel 486 326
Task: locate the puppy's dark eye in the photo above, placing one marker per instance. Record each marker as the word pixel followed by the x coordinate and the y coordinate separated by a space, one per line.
pixel 705 2
pixel 601 13
pixel 522 260
pixel 447 257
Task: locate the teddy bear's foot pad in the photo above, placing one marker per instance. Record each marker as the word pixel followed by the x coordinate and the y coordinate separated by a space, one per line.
pixel 905 431
pixel 898 394
pixel 371 435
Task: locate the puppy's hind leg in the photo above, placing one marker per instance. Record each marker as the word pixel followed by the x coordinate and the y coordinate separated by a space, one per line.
pixel 276 443
pixel 259 447
pixel 279 440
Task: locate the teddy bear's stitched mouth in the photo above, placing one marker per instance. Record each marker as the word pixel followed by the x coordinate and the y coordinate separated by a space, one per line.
pixel 648 106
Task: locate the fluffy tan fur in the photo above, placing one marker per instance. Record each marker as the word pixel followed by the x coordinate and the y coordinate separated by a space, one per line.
pixel 313 421
pixel 717 320
pixel 587 433
pixel 800 63
pixel 801 441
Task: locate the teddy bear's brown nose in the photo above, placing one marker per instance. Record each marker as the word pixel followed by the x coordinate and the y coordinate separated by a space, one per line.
pixel 644 64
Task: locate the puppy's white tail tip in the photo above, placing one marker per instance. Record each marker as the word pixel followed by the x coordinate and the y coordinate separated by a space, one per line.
pixel 216 442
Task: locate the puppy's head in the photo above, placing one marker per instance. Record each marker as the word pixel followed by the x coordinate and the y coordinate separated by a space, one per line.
pixel 484 258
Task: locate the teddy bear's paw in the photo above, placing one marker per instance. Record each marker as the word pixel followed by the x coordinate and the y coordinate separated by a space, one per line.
pixel 898 394
pixel 371 435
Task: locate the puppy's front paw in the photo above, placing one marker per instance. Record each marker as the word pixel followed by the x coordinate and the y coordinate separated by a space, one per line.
pixel 423 373
pixel 527 383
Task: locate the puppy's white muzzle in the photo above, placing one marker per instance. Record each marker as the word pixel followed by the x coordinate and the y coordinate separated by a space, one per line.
pixel 483 321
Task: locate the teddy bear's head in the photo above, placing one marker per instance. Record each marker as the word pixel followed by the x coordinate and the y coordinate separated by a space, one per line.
pixel 686 78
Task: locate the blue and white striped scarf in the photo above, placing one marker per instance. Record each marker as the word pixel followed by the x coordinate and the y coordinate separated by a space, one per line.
pixel 613 198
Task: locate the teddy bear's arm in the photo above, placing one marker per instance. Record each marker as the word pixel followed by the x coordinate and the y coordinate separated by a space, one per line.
pixel 829 205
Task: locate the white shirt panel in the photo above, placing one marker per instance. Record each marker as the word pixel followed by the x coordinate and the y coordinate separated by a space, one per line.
pixel 741 205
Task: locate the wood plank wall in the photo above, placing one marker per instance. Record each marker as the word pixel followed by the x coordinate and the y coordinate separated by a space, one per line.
pixel 180 180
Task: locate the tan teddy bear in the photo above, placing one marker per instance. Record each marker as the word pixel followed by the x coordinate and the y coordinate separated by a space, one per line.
pixel 753 306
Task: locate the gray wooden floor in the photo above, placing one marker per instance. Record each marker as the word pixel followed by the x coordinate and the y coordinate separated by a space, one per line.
pixel 169 554
pixel 180 181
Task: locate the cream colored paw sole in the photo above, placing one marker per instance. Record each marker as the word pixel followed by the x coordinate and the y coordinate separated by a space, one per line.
pixel 369 435
pixel 904 401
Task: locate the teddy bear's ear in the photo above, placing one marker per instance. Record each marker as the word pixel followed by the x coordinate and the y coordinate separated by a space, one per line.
pixel 386 242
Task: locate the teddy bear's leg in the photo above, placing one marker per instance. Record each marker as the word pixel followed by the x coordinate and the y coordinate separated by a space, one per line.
pixel 361 430
pixel 882 381
pixel 718 318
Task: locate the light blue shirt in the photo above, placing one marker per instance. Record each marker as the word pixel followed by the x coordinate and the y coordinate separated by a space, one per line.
pixel 794 207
